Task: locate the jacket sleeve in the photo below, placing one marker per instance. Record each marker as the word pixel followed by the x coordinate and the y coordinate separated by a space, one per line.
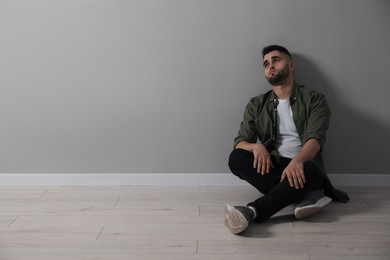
pixel 318 120
pixel 247 131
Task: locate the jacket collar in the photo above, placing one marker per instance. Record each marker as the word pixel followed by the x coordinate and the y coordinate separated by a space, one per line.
pixel 294 95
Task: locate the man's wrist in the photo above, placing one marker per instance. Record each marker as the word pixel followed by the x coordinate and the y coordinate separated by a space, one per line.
pixel 246 146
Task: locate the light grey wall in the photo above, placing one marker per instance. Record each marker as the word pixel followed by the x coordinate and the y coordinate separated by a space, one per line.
pixel 160 85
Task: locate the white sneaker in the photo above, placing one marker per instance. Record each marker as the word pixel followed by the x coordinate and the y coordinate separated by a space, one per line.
pixel 312 203
pixel 238 218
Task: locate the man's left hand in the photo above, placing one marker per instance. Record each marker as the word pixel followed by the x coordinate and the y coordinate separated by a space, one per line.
pixel 294 174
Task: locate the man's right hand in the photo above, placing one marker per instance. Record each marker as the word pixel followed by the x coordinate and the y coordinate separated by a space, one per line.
pixel 262 159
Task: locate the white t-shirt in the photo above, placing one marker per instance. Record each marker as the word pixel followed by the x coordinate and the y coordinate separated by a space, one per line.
pixel 287 141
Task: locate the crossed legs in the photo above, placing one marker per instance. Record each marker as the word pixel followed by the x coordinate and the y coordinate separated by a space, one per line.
pixel 277 195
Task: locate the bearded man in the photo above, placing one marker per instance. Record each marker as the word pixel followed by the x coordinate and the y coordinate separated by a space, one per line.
pixel 279 147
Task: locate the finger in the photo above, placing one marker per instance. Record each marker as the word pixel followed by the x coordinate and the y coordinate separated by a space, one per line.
pixel 264 167
pixel 290 180
pixel 300 177
pixel 269 165
pixel 300 181
pixel 259 165
pixel 283 177
pixel 296 181
pixel 303 177
pixel 255 159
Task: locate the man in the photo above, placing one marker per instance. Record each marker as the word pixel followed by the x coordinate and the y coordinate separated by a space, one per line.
pixel 278 149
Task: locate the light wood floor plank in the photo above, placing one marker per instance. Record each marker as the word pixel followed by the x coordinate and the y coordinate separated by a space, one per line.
pixel 285 246
pixel 349 257
pixel 76 247
pixel 183 222
pixel 119 256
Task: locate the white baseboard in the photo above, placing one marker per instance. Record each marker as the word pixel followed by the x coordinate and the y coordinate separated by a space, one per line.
pixel 64 179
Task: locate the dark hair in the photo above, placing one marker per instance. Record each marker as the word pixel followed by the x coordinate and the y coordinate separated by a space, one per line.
pixel 269 48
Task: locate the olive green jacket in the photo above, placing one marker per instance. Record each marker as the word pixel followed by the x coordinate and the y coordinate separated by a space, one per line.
pixel 311 116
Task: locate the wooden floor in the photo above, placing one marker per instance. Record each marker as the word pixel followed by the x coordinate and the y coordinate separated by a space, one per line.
pixel 183 223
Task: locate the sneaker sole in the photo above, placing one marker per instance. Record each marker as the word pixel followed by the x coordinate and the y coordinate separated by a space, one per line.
pixel 310 210
pixel 235 220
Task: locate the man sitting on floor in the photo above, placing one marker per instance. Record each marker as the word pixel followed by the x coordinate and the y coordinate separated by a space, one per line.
pixel 278 149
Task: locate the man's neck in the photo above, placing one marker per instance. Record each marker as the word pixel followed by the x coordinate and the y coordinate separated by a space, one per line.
pixel 284 91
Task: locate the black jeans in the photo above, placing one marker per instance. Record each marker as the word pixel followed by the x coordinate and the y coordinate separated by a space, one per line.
pixel 277 195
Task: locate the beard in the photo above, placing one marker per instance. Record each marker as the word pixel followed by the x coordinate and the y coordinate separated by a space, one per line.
pixel 279 77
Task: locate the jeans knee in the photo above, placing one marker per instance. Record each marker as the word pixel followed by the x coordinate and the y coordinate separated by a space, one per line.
pixel 237 158
pixel 232 158
pixel 313 174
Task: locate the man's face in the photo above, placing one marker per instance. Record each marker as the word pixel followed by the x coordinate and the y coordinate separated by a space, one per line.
pixel 277 67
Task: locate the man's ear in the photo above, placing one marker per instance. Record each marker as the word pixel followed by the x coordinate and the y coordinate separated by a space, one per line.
pixel 292 64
